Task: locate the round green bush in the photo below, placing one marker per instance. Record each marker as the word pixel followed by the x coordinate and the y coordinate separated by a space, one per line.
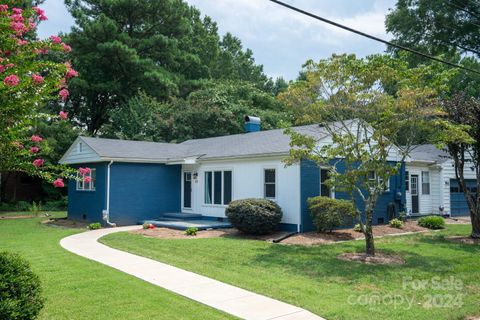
pixel 328 213
pixel 20 291
pixel 254 216
pixel 432 222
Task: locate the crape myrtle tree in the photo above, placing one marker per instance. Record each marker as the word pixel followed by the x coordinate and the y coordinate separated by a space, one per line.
pixel 364 105
pixel 28 81
pixel 459 131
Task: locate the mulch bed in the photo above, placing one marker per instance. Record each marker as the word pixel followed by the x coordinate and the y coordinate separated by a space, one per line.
pixel 166 233
pixel 463 240
pixel 25 216
pixel 379 258
pixel 65 223
pixel 314 238
pixel 460 220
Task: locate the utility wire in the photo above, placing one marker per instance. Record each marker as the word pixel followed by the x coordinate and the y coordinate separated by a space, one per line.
pixel 341 26
pixel 456 6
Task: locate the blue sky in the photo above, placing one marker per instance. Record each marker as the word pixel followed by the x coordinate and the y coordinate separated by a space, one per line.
pixel 281 40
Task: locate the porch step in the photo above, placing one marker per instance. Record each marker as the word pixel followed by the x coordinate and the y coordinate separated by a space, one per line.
pixel 181 216
pixel 192 223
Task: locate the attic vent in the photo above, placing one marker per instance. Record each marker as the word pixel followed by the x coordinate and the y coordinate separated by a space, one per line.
pixel 80 147
pixel 252 124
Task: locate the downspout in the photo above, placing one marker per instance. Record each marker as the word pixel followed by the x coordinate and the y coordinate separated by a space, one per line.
pixel 106 212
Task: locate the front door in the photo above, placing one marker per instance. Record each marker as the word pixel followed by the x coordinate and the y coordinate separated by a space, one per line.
pixel 414 193
pixel 187 190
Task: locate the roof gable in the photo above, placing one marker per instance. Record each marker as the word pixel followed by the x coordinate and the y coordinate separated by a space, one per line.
pixel 80 152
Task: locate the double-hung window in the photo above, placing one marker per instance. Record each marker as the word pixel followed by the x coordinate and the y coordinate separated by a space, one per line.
pixel 218 187
pixel 425 182
pixel 372 176
pixel 270 184
pixel 83 185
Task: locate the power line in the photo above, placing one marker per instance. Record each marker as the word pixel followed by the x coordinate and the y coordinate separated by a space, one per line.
pixel 456 6
pixel 341 26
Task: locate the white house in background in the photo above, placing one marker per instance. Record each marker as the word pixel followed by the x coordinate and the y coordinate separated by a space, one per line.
pixel 431 184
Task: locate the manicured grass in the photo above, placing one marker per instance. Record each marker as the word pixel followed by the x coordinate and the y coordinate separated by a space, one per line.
pixel 313 278
pixel 77 288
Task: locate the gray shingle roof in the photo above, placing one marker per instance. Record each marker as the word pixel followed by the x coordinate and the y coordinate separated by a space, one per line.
pixel 249 144
pixel 428 152
pixel 237 145
pixel 114 148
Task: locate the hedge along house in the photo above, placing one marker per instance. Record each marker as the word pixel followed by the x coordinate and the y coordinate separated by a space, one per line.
pixel 133 181
pixel 432 186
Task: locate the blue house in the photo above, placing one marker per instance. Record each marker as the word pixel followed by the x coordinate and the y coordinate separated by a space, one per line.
pixel 133 181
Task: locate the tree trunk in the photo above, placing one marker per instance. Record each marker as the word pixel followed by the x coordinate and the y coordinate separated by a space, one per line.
pixel 475 217
pixel 369 242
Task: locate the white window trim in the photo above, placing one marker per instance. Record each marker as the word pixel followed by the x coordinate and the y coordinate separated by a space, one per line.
pixel 429 182
pixel 265 183
pixel 387 189
pixel 213 170
pixel 80 184
pixel 332 189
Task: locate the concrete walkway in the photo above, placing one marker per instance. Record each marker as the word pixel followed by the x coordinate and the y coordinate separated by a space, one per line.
pixel 230 299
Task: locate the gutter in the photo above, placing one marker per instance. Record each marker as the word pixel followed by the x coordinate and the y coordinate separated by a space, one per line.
pixel 106 212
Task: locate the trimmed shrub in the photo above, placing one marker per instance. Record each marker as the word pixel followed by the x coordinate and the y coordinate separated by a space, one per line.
pixel 20 290
pixel 191 231
pixel 432 222
pixel 396 223
pixel 94 226
pixel 254 216
pixel 329 213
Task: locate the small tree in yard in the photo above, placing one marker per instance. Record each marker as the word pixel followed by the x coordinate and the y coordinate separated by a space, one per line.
pixel 460 134
pixel 368 107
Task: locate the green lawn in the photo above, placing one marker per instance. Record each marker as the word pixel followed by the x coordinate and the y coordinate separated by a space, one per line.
pixel 76 288
pixel 312 277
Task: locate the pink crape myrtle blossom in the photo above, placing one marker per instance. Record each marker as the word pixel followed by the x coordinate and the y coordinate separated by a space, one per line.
pixel 87 179
pixel 40 13
pixel 17 10
pixel 17 18
pixel 22 42
pixel 64 94
pixel 34 150
pixel 56 39
pixel 66 48
pixel 3 7
pixel 11 80
pixel 2 68
pixel 36 138
pixel 71 73
pixel 38 162
pixel 37 79
pixel 63 115
pixel 58 183
pixel 84 171
pixel 18 27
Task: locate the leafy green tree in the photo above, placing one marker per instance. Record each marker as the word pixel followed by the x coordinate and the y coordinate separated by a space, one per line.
pixel 351 99
pixel 437 27
pixel 163 48
pixel 459 131
pixel 218 108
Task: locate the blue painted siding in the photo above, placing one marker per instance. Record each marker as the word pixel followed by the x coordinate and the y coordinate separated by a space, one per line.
pixel 88 205
pixel 141 191
pixel 310 187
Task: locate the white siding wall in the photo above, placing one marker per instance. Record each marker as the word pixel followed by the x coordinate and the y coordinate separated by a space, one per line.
pixel 448 172
pixel 248 182
pixel 74 155
pixel 428 203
